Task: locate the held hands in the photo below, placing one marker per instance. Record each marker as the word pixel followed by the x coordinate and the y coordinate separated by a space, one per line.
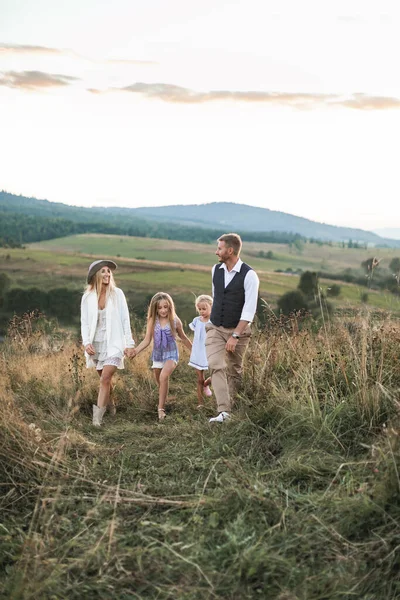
pixel 130 352
pixel 231 344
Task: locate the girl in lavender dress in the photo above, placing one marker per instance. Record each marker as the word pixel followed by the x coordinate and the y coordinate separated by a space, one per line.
pixel 163 326
pixel 198 357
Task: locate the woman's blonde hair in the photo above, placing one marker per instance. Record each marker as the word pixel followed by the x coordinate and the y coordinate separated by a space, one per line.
pixel 153 308
pixel 96 284
pixel 203 298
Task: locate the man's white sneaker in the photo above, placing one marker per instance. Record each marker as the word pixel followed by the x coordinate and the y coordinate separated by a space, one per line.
pixel 223 416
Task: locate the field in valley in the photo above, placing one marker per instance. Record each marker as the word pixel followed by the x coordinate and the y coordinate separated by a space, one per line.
pixel 312 257
pixel 148 265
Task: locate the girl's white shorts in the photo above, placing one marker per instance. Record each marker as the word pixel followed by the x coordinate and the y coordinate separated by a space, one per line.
pixel 159 364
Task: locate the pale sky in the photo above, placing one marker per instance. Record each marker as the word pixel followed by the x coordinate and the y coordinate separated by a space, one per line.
pixel 291 105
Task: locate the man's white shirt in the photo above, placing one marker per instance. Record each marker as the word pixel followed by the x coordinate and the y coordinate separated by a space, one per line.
pixel 251 285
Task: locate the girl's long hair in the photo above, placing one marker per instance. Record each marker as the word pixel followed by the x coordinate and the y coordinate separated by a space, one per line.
pixel 153 308
pixel 96 284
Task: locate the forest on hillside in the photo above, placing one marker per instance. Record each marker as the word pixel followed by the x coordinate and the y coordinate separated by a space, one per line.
pixel 26 220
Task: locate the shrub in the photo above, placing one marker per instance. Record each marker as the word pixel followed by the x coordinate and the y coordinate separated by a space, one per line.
pixel 308 283
pixel 4 285
pixel 63 302
pixel 334 290
pixel 292 301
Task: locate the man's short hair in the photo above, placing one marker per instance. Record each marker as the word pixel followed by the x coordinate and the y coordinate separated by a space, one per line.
pixel 232 240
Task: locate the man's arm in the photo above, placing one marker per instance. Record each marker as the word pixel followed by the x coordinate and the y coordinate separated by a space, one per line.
pixel 251 285
pixel 212 280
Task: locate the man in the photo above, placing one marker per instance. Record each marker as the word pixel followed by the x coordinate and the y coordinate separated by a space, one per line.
pixel 235 293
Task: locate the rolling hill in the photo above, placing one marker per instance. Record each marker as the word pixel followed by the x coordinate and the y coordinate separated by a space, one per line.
pixel 190 222
pixel 251 218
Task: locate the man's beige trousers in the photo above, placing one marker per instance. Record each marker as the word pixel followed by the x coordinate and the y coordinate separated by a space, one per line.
pixel 225 367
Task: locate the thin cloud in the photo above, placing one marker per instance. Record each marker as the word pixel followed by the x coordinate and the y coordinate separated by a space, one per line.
pixel 363 102
pixel 8 49
pixel 121 61
pixel 351 19
pixel 24 49
pixel 34 80
pixel 180 95
pixel 382 19
pixel 177 94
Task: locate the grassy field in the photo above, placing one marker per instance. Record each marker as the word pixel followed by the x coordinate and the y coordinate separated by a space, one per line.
pixel 297 498
pixel 147 266
pixel 313 257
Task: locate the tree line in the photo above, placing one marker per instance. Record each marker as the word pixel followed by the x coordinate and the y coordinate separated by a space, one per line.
pixel 58 302
pixel 17 229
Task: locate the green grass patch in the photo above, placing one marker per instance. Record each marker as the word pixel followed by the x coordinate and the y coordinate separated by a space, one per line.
pixel 313 257
pixel 296 498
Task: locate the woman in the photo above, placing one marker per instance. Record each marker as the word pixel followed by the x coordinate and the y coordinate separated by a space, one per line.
pixel 106 330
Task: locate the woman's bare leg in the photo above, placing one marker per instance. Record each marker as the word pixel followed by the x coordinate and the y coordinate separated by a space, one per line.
pixel 105 385
pixel 112 385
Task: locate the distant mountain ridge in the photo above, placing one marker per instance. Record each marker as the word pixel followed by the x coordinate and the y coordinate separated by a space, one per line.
pixel 203 221
pixel 251 218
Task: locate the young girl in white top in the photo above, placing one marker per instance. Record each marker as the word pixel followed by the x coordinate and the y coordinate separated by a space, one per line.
pixel 106 331
pixel 198 357
pixel 163 325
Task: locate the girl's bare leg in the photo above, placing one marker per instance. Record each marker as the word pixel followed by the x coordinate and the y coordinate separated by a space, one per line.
pixel 157 376
pixel 164 376
pixel 206 387
pixel 200 388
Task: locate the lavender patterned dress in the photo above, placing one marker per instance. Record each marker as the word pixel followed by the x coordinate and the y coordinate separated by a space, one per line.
pixel 165 347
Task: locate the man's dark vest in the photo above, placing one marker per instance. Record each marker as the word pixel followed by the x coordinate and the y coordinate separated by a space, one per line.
pixel 228 301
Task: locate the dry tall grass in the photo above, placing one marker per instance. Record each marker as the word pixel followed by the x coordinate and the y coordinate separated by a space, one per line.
pixel 296 499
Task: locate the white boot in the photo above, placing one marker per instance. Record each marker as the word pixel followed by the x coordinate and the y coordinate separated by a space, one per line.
pixel 98 412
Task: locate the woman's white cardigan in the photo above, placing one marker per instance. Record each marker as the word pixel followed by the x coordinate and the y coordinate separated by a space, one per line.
pixel 119 335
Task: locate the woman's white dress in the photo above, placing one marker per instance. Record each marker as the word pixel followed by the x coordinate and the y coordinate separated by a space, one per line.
pixel 101 358
pixel 108 330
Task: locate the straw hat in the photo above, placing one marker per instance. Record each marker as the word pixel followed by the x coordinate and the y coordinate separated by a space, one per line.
pixel 99 264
